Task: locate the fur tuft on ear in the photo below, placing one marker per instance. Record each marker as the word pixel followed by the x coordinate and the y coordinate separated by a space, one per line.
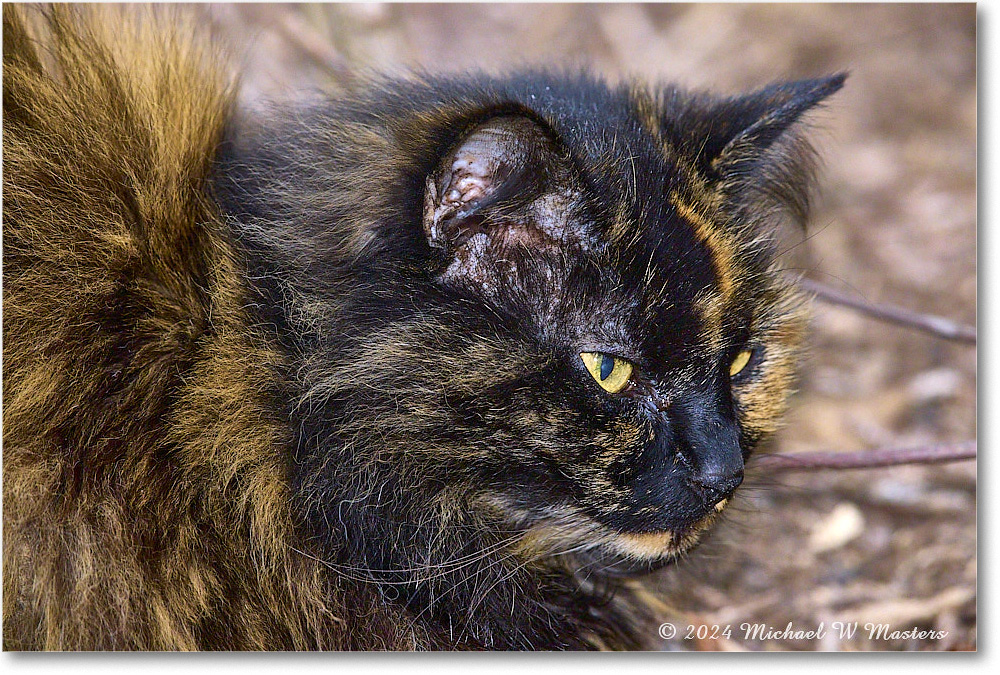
pixel 506 188
pixel 728 135
pixel 770 112
pixel 748 148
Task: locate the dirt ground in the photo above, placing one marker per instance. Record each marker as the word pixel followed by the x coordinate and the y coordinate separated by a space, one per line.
pixel 894 221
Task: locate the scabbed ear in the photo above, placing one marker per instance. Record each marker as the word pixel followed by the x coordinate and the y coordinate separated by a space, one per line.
pixel 505 191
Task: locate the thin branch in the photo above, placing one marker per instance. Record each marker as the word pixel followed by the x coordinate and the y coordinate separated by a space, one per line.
pixel 868 459
pixel 298 32
pixel 935 325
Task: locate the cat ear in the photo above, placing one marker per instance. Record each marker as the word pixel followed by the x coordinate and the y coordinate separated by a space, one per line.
pixel 505 187
pixel 742 130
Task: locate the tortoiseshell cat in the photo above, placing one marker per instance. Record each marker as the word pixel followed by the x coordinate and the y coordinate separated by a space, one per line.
pixel 440 364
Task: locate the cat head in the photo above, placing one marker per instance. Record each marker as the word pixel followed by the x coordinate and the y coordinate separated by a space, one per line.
pixel 565 315
pixel 653 345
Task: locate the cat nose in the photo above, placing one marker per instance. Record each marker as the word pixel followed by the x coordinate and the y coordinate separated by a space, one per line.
pixel 713 488
pixel 710 444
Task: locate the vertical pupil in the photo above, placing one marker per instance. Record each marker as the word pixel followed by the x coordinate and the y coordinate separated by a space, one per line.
pixel 607 365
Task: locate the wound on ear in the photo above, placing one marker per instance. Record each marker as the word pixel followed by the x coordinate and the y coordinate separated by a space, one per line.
pixel 504 188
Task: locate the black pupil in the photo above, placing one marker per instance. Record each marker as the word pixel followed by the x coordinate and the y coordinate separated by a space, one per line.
pixel 607 365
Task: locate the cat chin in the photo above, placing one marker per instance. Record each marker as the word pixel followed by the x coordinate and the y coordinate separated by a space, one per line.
pixel 653 546
pixel 579 541
pixel 632 554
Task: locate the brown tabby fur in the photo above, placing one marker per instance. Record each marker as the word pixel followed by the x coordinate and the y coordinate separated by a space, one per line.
pixel 100 211
pixel 159 518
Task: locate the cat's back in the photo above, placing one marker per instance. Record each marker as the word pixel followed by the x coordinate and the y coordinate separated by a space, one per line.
pixel 123 354
pixel 109 130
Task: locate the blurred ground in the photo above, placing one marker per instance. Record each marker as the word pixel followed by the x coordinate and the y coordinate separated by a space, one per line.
pixel 895 221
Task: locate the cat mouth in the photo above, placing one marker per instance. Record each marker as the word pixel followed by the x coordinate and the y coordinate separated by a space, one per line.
pixel 592 547
pixel 633 554
pixel 666 544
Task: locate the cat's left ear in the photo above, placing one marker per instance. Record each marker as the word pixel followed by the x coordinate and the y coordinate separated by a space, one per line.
pixel 506 187
pixel 743 131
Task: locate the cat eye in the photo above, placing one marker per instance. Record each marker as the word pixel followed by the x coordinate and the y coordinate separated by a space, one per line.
pixel 611 372
pixel 740 363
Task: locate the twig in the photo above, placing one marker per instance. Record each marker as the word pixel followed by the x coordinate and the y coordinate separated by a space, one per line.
pixel 298 32
pixel 867 459
pixel 935 325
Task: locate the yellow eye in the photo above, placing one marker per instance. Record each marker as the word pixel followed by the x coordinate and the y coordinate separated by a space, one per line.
pixel 740 362
pixel 610 372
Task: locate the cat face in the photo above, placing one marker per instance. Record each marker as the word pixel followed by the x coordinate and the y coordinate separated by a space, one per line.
pixel 539 308
pixel 649 342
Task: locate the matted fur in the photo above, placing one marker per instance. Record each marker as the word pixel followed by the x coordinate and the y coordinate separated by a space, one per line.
pixel 241 408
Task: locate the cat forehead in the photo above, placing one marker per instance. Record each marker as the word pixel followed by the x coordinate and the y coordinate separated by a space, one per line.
pixel 661 310
pixel 661 218
pixel 677 266
pixel 670 235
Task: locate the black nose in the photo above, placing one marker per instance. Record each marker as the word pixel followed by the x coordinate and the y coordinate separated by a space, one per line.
pixel 714 487
pixel 708 441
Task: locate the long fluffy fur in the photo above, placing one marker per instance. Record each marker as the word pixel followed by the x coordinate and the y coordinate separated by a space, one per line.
pixel 144 472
